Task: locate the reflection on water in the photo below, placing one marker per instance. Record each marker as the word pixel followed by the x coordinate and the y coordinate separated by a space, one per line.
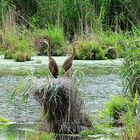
pixel 18 132
pixel 64 137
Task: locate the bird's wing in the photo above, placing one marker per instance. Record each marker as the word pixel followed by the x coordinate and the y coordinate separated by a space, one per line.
pixel 53 68
pixel 67 64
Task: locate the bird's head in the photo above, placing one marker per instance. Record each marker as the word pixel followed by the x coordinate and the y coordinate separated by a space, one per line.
pixel 46 41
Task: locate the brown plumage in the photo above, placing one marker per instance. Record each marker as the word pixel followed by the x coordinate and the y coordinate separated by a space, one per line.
pixel 52 65
pixel 68 62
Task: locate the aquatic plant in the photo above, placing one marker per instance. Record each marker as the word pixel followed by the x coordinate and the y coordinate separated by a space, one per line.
pixel 121 111
pixel 62 106
pixel 95 130
pixel 131 129
pixel 98 46
pixel 3 122
pixel 131 69
pixel 115 108
pixel 60 100
pixel 130 73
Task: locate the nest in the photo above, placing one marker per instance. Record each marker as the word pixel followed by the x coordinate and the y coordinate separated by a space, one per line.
pixel 62 106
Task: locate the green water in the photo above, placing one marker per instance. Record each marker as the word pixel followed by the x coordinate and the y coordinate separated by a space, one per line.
pixel 101 80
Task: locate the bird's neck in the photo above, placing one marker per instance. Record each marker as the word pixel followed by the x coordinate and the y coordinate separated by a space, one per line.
pixel 74 52
pixel 49 52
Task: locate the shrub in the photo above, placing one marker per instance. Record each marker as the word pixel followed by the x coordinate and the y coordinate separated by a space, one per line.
pixel 105 45
pixel 56 36
pixel 17 46
pixel 87 50
pixel 4 122
pixel 117 107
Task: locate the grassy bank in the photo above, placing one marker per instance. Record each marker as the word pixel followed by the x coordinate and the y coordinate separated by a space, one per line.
pixel 100 28
pixel 20 44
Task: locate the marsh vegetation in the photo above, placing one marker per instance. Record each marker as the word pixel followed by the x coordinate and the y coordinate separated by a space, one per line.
pixel 98 98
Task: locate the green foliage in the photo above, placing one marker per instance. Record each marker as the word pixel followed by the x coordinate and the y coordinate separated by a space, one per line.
pixel 3 10
pixel 3 122
pixel 16 45
pixel 111 53
pixel 22 90
pixel 87 50
pixel 128 121
pixel 120 108
pixel 115 108
pixel 131 119
pixel 56 36
pixel 130 72
pixel 98 129
pixel 98 46
pixel 123 110
pixel 42 73
pixel 116 103
pixel 78 76
pixel 70 14
pixel 76 17
pixel 131 64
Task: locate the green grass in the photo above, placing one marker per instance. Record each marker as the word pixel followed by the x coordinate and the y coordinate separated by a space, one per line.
pixel 99 46
pixel 16 44
pixel 56 35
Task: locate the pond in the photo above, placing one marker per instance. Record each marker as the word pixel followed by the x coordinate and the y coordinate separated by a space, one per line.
pixel 102 79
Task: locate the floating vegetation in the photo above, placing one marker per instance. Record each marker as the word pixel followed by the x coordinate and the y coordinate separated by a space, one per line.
pixel 3 122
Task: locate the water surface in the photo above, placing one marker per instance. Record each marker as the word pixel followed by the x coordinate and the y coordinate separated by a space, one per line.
pixel 102 79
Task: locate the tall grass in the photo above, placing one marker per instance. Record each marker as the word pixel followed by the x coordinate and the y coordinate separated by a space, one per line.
pixel 75 17
pixel 131 74
pixel 131 67
pixel 16 43
pixel 78 17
